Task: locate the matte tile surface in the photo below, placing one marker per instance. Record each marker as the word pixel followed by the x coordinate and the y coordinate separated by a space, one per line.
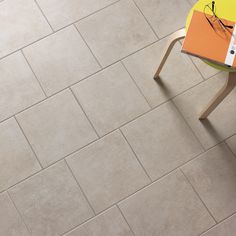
pixel 17 160
pixel 232 143
pixel 19 88
pixel 157 149
pixel 51 202
pixel 110 99
pixel 168 207
pixel 61 60
pixel 109 223
pixel 165 16
pixel 175 76
pixel 213 175
pixel 21 23
pixel 125 32
pixel 56 127
pixel 221 123
pixel 64 12
pixel 10 222
pixel 107 171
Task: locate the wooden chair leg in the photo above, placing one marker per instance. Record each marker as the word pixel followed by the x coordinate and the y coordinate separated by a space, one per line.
pixel 180 34
pixel 220 96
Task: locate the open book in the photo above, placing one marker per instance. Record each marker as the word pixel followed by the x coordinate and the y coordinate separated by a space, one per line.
pixel 211 41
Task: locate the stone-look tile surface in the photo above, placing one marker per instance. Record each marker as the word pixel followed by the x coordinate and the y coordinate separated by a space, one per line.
pixel 232 143
pixel 206 70
pixel 51 202
pixel 61 60
pixel 116 31
pixel 213 175
pixel 21 23
pixel 168 208
pixel 56 127
pixel 110 99
pixel 226 228
pixel 17 160
pixel 110 223
pixel 162 140
pixel 165 16
pixel 19 88
pixel 64 12
pixel 218 126
pixel 177 75
pixel 107 171
pixel 10 222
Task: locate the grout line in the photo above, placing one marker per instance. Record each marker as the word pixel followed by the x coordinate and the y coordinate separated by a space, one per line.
pixel 229 147
pixel 198 196
pixel 136 84
pixel 22 218
pixel 135 155
pixel 44 15
pixel 34 73
pixel 125 219
pixel 87 46
pixel 28 143
pixel 81 189
pixel 77 100
pixel 146 19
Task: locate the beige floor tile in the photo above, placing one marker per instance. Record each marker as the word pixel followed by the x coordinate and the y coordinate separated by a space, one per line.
pixel 56 127
pixel 221 123
pixel 20 24
pixel 51 202
pixel 17 160
pixel 116 31
pixel 226 228
pixel 232 143
pixel 165 16
pixel 206 70
pixel 110 223
pixel 110 98
pixel 168 207
pixel 213 175
pixel 162 140
pixel 19 88
pixel 61 60
pixel 10 222
pixel 64 12
pixel 175 76
pixel 107 171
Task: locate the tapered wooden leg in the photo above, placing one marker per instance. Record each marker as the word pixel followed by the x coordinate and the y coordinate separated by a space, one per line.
pixel 180 34
pixel 220 96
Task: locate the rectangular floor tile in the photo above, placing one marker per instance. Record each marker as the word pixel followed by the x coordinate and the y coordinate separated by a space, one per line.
pixel 17 161
pixel 19 88
pixel 213 175
pixel 165 16
pixel 232 143
pixel 51 202
pixel 168 207
pixel 107 171
pixel 226 228
pixel 21 23
pixel 221 124
pixel 56 127
pixel 110 223
pixel 64 12
pixel 116 31
pixel 11 223
pixel 162 140
pixel 175 76
pixel 110 98
pixel 61 60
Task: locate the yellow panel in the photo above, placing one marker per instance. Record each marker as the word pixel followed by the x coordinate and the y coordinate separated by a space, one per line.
pixel 224 9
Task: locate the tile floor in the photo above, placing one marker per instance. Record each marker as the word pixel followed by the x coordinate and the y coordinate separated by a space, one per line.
pixel 90 144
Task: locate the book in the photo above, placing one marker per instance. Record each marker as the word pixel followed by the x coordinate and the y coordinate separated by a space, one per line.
pixel 211 42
